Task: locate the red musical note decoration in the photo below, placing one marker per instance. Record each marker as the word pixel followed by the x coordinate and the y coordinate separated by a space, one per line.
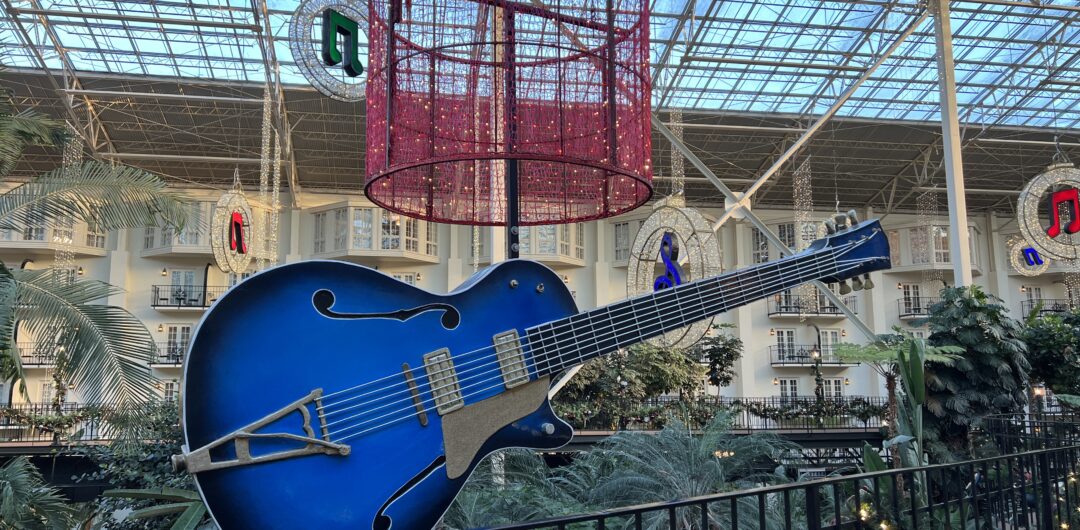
pixel 236 234
pixel 1072 197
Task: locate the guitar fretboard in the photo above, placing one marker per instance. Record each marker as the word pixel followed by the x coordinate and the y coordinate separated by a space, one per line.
pixel 562 343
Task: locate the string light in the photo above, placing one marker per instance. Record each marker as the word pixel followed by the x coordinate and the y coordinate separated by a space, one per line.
pixel 806 231
pixel 923 238
pixel 63 232
pixel 1016 246
pixel 221 229
pixel 264 177
pixel 304 38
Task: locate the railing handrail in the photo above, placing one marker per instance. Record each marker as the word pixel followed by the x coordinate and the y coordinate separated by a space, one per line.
pixel 808 304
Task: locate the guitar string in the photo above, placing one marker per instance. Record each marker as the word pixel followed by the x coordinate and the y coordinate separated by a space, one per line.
pixel 462 356
pixel 414 414
pixel 614 332
pixel 458 365
pixel 568 327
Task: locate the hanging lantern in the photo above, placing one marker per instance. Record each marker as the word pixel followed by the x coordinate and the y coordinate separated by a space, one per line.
pixel 558 93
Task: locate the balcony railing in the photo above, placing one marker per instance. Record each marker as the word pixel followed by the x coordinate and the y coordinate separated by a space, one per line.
pixel 170 353
pixel 37 353
pixel 1046 305
pixel 184 296
pixel 804 355
pixel 915 307
pixel 91 422
pixel 802 305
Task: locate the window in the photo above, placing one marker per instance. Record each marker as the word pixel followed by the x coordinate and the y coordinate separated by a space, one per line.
pixel 95 237
pixel 432 239
pixel 829 339
pixel 318 239
pixel 412 235
pixel 785 344
pixel 759 246
pixel 564 240
pixel 148 238
pixel 35 225
pixel 789 388
pixel 920 245
pixel 63 230
pixel 64 276
pixel 941 244
pixel 177 337
pixel 341 228
pixel 786 231
pixel 191 234
pixel 1034 294
pixel 894 246
pixel 45 395
pixel 579 241
pixel 391 231
pixel 912 301
pixel 973 248
pixel 182 288
pixel 809 233
pixel 833 387
pixel 235 278
pixel 622 241
pixel 525 240
pixel 168 391
pixel 918 333
pixel 407 277
pixel 7 234
pixel 545 239
pixel 363 228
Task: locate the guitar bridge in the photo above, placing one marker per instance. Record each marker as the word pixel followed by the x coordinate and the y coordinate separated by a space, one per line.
pixel 201 460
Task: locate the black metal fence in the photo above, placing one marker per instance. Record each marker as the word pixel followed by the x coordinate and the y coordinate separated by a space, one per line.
pixel 1032 484
pixel 185 296
pixel 803 413
pixel 915 306
pixel 1046 306
pixel 170 353
pixel 802 305
pixel 27 424
pixel 804 355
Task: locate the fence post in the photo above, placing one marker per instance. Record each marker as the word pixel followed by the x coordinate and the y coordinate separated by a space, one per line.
pixel 1046 512
pixel 813 508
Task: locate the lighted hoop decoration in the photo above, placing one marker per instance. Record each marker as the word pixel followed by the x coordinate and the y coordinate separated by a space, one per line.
pixel 1023 261
pixel 305 42
pixel 699 257
pixel 230 232
pixel 1035 212
pixel 562 88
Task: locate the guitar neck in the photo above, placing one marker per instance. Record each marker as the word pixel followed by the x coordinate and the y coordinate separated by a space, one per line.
pixel 563 343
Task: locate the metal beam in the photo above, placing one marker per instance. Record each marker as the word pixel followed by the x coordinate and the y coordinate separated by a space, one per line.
pixel 1049 143
pixel 757 222
pixel 206 23
pixel 959 248
pixel 740 128
pixel 973 191
pixel 181 158
pixel 160 95
pixel 791 150
pixel 273 83
pixel 763 62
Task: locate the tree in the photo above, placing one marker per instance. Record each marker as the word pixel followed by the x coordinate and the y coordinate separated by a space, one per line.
pixel 1053 341
pixel 104 350
pixel 28 502
pixel 721 350
pixel 989 377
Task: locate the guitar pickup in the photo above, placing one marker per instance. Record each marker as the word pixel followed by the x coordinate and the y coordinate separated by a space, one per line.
pixel 511 358
pixel 201 460
pixel 443 381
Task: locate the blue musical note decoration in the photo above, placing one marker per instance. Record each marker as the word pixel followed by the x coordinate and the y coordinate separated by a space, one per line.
pixel 1032 257
pixel 669 253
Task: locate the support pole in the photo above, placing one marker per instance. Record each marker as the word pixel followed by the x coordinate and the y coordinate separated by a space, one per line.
pixel 959 247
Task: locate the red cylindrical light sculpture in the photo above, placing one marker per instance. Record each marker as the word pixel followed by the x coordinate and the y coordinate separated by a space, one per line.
pixel 462 93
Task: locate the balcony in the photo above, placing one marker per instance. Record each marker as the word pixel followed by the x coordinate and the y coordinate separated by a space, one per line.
pixel 49 237
pixel 915 307
pixel 165 244
pixel 796 355
pixel 36 354
pixel 798 306
pixel 1046 306
pixel 169 354
pixel 184 298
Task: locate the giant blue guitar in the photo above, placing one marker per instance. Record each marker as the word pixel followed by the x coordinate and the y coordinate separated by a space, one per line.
pixel 325 395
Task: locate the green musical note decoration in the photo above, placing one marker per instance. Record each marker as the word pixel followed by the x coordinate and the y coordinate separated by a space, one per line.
pixel 334 24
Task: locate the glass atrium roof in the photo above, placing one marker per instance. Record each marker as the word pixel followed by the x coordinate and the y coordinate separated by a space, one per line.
pixel 1016 64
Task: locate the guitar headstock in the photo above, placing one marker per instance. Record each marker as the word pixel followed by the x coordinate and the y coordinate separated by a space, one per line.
pixel 860 248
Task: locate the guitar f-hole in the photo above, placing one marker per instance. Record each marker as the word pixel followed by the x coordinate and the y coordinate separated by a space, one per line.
pixel 324 299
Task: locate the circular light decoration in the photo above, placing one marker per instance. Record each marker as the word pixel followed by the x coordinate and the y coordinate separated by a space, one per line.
pixel 230 232
pixel 697 256
pixel 1025 259
pixel 1048 212
pixel 305 40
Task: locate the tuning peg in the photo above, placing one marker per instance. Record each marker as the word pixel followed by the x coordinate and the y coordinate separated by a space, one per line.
pixel 857 283
pixel 841 222
pixel 830 226
pixel 845 288
pixel 853 218
pixel 867 282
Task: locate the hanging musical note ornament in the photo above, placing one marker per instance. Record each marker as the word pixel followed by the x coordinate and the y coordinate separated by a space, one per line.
pixel 1048 214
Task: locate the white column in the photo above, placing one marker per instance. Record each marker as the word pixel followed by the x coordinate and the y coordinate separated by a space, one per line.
pixel 755 355
pixel 455 264
pixel 950 133
pixel 118 261
pixel 295 253
pixel 602 268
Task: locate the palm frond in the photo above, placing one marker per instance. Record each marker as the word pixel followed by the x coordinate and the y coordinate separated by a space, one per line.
pixel 107 349
pixel 26 501
pixel 110 197
pixel 21 129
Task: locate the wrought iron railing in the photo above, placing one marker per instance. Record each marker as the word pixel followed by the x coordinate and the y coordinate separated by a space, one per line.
pixel 804 355
pixel 70 423
pixel 1032 485
pixel 915 307
pixel 170 353
pixel 789 414
pixel 37 353
pixel 1045 305
pixel 184 296
pixel 808 305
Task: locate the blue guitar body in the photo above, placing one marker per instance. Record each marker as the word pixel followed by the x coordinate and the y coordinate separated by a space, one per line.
pixel 326 395
pixel 265 345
